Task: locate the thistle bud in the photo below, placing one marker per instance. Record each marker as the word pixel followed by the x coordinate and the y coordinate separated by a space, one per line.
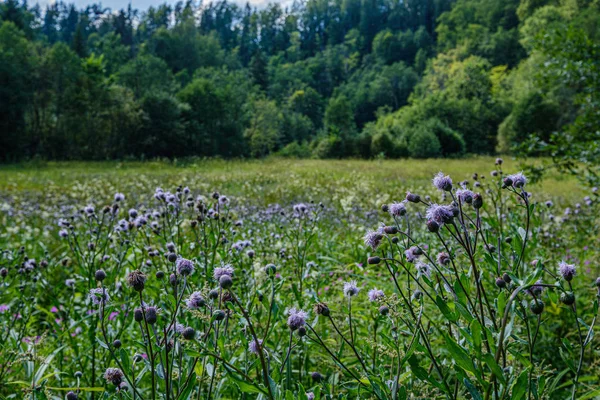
pixel 536 306
pixel 219 315
pixel 433 226
pixel 188 333
pixel 225 281
pixel 384 310
pixel 567 298
pixel 117 344
pixel 501 283
pixel 390 230
pixel 373 260
pixel 477 201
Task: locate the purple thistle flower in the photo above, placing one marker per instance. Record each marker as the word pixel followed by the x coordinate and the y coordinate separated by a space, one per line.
pixel 63 233
pixel 119 197
pixel 375 294
pixel 465 195
pixel 300 209
pixel 196 300
pixel 373 239
pixel 442 182
pixel 310 396
pixel 223 200
pixel 567 271
pixel 255 346
pixel 423 269
pixel 350 289
pixel 114 376
pixel 398 209
pixel 99 296
pixel 439 214
pixel 296 319
pixel 412 254
pixel 443 258
pixel 184 266
pixel 224 270
pixel 518 180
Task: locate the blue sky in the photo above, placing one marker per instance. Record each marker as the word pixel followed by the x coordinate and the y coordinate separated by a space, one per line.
pixel 144 4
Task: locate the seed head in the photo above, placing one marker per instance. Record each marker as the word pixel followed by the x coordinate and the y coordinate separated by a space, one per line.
pixel 136 279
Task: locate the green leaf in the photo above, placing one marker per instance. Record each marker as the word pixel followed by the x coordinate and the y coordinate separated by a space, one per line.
pixel 472 389
pixel 519 388
pixel 443 306
pixel 459 355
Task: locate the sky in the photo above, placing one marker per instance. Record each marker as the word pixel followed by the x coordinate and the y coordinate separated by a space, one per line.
pixel 144 4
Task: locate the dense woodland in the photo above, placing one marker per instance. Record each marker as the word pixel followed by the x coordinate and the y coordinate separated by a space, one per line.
pixel 321 78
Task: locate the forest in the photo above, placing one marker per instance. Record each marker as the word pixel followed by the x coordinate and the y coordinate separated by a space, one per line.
pixel 317 79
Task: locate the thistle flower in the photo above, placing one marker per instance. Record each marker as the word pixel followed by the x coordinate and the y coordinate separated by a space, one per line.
pixel 442 182
pixel 440 214
pixel 114 376
pixel 136 280
pixel 63 233
pixel 184 267
pixel 375 294
pixel 412 253
pixel 310 396
pixel 255 346
pixel 89 209
pixel 465 195
pixel 567 271
pixel 296 318
pixel 70 283
pixel 423 269
pixel 224 270
pixel 518 180
pixel 397 209
pixel 300 209
pixel 196 300
pixel 223 200
pixel 99 296
pixel 119 197
pixel 443 258
pixel 350 289
pixel 373 239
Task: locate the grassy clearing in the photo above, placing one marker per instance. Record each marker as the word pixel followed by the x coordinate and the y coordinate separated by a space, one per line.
pixel 274 177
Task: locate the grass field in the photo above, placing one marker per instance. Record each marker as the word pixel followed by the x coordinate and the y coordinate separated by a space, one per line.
pixel 272 180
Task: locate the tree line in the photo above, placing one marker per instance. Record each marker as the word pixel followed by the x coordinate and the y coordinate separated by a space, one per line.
pixel 320 78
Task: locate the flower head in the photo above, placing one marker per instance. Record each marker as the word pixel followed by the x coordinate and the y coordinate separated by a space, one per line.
pixel 114 376
pixel 465 195
pixel 196 300
pixel 296 318
pixel 350 289
pixel 184 266
pixel 423 269
pixel 398 209
pixel 440 214
pixel 442 182
pixel 567 271
pixel 255 346
pixel 375 294
pixel 99 296
pixel 443 258
pixel 536 289
pixel 224 270
pixel 412 253
pixel 373 239
pixel 518 180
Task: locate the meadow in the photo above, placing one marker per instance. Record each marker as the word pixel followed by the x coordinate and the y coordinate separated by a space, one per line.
pixel 297 279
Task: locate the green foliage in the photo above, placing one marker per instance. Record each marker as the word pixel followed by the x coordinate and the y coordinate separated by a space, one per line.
pixel 360 70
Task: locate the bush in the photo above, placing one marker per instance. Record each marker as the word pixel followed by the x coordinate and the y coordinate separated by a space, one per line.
pixel 422 143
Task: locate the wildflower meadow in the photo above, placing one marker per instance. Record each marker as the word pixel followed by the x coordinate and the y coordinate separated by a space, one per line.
pixel 280 279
